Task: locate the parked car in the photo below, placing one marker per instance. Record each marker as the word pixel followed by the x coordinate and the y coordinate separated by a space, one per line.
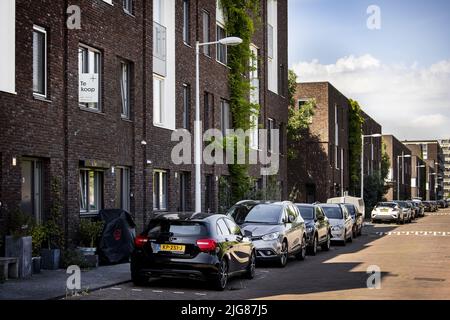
pixel 199 246
pixel 421 207
pixel 341 222
pixel 357 217
pixel 276 228
pixel 357 202
pixel 435 206
pixel 428 206
pixel 407 210
pixel 442 204
pixel 388 212
pixel 414 210
pixel 318 228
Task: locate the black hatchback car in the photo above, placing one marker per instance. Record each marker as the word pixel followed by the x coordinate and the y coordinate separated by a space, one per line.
pixel 199 246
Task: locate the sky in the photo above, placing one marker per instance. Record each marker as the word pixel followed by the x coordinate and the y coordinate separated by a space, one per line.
pixel 400 73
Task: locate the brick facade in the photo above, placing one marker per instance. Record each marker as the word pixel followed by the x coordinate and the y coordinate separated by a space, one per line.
pixel 65 137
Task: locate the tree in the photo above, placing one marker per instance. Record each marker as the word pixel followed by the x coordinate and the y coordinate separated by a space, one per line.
pixel 355 122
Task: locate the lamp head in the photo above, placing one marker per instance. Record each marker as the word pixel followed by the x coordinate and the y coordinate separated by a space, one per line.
pixel 231 41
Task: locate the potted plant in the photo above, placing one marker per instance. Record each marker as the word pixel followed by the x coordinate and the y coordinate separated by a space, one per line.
pixel 54 235
pixel 18 243
pixel 89 233
pixel 38 236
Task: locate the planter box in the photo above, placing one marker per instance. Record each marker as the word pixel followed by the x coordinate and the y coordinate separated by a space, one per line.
pixel 87 251
pixel 37 264
pixel 50 259
pixel 90 258
pixel 20 248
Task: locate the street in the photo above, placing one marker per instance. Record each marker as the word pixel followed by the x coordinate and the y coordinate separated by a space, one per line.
pixel 413 258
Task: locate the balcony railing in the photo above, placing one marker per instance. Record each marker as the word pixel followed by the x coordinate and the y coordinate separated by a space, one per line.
pixel 159 49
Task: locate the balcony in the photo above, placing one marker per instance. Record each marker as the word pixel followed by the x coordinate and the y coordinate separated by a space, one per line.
pixel 159 49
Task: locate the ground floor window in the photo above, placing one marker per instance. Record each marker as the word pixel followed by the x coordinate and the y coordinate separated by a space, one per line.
pixel 32 188
pixel 91 191
pixel 185 181
pixel 160 190
pixel 123 192
pixel 209 193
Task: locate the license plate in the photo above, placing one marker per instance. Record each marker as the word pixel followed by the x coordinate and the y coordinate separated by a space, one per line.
pixel 175 248
pixel 384 210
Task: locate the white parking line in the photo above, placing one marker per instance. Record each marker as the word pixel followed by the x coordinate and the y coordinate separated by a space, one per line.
pixel 118 289
pixel 415 233
pixel 136 290
pixel 200 294
pixel 157 291
pixel 178 292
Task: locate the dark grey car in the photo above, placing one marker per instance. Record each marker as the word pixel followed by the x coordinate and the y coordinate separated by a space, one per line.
pixel 276 228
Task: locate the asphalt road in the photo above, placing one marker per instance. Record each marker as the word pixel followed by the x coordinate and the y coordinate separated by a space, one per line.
pixel 414 260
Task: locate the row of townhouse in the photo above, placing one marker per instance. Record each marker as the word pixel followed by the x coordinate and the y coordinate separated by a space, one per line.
pixel 94 108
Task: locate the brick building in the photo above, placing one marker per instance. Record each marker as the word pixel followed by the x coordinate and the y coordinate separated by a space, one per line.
pixel 94 109
pixel 321 170
pixel 399 178
pixel 432 154
pixel 373 146
pixel 445 144
pixel 419 170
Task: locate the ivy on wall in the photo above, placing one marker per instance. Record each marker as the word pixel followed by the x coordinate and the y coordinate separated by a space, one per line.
pixel 355 122
pixel 242 17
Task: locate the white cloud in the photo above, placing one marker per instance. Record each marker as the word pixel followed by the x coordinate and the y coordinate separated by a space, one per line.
pixel 412 102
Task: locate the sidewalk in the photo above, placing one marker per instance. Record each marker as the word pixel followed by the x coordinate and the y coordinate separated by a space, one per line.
pixel 52 284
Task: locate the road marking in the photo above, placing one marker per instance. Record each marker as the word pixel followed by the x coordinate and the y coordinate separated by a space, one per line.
pixel 136 290
pixel 200 294
pixel 115 288
pixel 414 233
pixel 178 292
pixel 157 291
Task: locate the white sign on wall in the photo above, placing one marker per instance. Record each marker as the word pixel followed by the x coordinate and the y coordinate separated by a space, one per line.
pixel 88 88
pixel 8 46
pixel 413 183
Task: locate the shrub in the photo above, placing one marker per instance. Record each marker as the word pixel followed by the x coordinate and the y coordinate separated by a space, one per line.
pixel 90 231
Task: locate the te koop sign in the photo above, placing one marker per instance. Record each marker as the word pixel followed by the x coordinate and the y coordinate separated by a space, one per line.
pixel 88 92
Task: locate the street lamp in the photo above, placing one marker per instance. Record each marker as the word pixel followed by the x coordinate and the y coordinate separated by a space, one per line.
pixel 403 156
pixel 229 41
pixel 376 135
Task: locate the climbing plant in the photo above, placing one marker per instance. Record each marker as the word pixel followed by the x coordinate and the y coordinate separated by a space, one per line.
pixel 242 17
pixel 355 122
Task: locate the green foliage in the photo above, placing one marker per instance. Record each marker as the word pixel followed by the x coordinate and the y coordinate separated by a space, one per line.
pixel 53 230
pixel 19 224
pixel 271 191
pixel 298 124
pixel 39 235
pixel 355 122
pixel 90 231
pixel 72 257
pixel 292 87
pixel 241 19
pixel 225 201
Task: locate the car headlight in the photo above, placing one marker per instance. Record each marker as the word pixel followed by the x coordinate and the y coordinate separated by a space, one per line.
pixel 310 229
pixel 337 228
pixel 271 236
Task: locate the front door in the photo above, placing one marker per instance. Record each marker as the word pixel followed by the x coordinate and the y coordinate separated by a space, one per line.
pixel 32 188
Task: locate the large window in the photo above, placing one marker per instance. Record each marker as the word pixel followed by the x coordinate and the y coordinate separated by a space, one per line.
pixel 158 100
pixel 39 61
pixel 221 54
pixel 91 191
pixel 225 116
pixel 128 6
pixel 206 32
pixel 123 192
pixel 270 42
pixel 160 190
pixel 270 136
pixel 125 87
pixel 186 106
pixel 32 188
pixel 89 66
pixel 186 22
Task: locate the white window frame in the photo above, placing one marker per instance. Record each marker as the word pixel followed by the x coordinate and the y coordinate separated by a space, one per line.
pixel 270 138
pixel 225 116
pixel 219 46
pixel 125 89
pixel 158 112
pixel 128 6
pixel 186 106
pixel 42 30
pixel 92 52
pixel 206 29
pixel 186 22
pixel 163 190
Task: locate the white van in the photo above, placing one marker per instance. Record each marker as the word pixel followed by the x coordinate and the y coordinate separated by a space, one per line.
pixel 357 202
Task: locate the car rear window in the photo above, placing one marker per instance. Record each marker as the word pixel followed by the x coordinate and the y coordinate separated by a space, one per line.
pixel 175 228
pixel 306 212
pixel 351 209
pixel 333 212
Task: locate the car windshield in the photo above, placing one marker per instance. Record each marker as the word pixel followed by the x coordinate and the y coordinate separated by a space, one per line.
pixel 351 209
pixel 261 213
pixel 175 228
pixel 386 205
pixel 402 204
pixel 333 212
pixel 306 212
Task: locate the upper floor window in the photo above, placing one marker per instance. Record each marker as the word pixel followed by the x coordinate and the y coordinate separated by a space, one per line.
pixel 128 6
pixel 158 100
pixel 89 66
pixel 39 61
pixel 160 190
pixel 186 22
pixel 225 116
pixel 186 106
pixel 125 88
pixel 270 41
pixel 270 135
pixel 221 55
pixel 206 32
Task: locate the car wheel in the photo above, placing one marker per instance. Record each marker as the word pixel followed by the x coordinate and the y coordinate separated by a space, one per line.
pixel 350 239
pixel 222 278
pixel 344 243
pixel 312 250
pixel 283 259
pixel 138 280
pixel 302 254
pixel 251 268
pixel 327 245
pixel 360 231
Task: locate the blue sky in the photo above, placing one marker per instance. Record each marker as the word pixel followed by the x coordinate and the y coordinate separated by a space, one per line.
pixel 393 72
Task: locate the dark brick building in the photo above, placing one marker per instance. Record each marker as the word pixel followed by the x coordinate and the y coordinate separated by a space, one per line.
pixel 109 146
pixel 321 170
pixel 373 147
pixel 399 178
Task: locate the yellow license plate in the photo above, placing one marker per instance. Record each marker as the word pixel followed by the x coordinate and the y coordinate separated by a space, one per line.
pixel 173 248
pixel 384 210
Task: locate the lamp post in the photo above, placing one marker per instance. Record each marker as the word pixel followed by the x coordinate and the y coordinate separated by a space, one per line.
pixel 376 135
pixel 403 156
pixel 229 41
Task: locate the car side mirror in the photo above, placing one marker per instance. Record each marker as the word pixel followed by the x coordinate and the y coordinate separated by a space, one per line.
pixel 291 219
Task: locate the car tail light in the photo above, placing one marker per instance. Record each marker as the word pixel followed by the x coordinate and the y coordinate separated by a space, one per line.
pixel 140 241
pixel 206 245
